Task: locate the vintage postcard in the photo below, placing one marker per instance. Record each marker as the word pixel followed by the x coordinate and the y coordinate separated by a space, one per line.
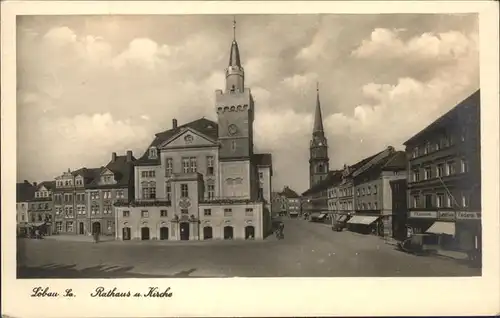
pixel 249 159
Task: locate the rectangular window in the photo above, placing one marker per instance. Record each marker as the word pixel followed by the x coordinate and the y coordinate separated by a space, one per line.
pixel 207 212
pixel 439 170
pixel 126 213
pixel 185 165
pixel 374 189
pixel 210 165
pixel 211 191
pixel 440 200
pixel 261 175
pixel 428 201
pixel 416 175
pixel 94 195
pixel 194 164
pixel 149 191
pixel 375 206
pixel 450 167
pixel 59 226
pixel 144 214
pixel 416 201
pixel 261 193
pixel 437 146
pixel 228 212
pixel 184 190
pixel 248 212
pixel 120 194
pixel 464 166
pixel 233 146
pixel 184 211
pixel 148 174
pixel 465 200
pixel 169 167
pixel 107 194
pixel 415 152
pixel 369 190
pixel 109 224
pixel 427 173
pixel 163 213
pixel 168 190
pixel 107 209
pixel 427 148
pixel 69 226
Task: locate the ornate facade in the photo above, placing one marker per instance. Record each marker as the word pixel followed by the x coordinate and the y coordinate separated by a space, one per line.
pixel 202 180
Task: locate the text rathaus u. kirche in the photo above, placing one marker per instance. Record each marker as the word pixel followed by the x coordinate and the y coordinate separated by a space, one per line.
pixel 202 180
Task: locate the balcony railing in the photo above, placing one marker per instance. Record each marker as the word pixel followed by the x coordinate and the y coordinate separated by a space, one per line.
pixel 143 202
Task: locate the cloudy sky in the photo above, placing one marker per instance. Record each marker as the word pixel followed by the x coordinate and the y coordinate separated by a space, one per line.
pixel 91 85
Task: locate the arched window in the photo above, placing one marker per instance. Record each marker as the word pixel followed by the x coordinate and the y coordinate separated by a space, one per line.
pixel 152 153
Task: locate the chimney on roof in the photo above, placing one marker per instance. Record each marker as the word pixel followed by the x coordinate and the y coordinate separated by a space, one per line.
pixel 26 181
pixel 174 123
pixel 34 184
pixel 129 155
pixel 113 157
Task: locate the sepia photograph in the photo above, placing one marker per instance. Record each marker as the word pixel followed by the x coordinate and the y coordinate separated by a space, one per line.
pixel 208 143
pixel 248 145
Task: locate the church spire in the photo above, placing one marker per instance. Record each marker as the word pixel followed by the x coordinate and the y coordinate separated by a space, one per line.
pixel 234 58
pixel 318 119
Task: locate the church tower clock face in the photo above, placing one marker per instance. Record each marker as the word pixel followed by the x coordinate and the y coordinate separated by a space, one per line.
pixel 232 129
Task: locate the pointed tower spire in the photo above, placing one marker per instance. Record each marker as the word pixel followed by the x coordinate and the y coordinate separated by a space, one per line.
pixel 234 58
pixel 318 119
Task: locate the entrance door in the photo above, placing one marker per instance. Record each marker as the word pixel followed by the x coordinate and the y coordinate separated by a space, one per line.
pixel 145 233
pixel 81 228
pixel 163 233
pixel 184 231
pixel 207 233
pixel 96 228
pixel 126 234
pixel 228 232
pixel 249 232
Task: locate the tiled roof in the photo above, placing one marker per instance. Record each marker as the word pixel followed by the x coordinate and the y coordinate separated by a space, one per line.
pixel 25 191
pixel 123 171
pixel 332 178
pixel 289 193
pixel 202 125
pixel 396 161
pixel 49 185
pixel 263 159
pixel 472 101
pixel 89 174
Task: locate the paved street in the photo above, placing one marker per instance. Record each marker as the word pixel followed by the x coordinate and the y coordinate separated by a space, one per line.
pixel 309 249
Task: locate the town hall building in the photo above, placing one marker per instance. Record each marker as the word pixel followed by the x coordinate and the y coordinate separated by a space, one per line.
pixel 202 180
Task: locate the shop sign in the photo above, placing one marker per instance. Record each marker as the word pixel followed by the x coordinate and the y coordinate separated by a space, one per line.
pixel 468 215
pixel 446 215
pixel 423 214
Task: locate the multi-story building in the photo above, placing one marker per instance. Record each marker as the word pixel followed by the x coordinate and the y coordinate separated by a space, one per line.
pixel 41 210
pixel 277 203
pixel 290 202
pixel 373 195
pixel 114 183
pixel 202 180
pixel 25 192
pixel 315 200
pixel 399 208
pixel 444 180
pixel 69 198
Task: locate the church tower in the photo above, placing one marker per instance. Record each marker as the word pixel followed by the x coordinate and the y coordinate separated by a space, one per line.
pixel 235 117
pixel 318 156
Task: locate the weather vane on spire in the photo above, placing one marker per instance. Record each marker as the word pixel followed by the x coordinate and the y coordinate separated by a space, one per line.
pixel 234 28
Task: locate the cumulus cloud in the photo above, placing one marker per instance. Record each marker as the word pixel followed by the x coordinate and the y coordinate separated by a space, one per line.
pixel 106 85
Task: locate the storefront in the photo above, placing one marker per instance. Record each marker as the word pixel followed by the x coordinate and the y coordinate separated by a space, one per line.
pixel 366 224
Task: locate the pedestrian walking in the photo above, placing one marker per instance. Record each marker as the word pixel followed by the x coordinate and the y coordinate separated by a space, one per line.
pixel 96 237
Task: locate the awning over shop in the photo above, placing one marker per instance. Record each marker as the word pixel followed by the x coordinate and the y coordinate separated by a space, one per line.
pixel 322 215
pixel 442 228
pixel 37 224
pixel 317 215
pixel 360 219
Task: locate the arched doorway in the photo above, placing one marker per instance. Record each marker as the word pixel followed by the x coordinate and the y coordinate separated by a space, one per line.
pixel 126 233
pixel 228 232
pixel 207 233
pixel 249 232
pixel 184 227
pixel 145 233
pixel 81 228
pixel 96 228
pixel 163 233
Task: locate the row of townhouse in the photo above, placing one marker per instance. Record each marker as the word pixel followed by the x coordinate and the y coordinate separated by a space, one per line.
pixel 287 202
pixel 433 186
pixel 77 202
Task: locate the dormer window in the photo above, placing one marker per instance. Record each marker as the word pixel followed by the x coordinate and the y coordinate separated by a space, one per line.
pixel 153 153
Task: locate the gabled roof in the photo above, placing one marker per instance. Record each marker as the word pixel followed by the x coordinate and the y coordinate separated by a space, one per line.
pixel 289 193
pixel 122 170
pixel 203 125
pixel 49 185
pixel 397 161
pixel 25 191
pixel 451 116
pixel 333 177
pixel 88 174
